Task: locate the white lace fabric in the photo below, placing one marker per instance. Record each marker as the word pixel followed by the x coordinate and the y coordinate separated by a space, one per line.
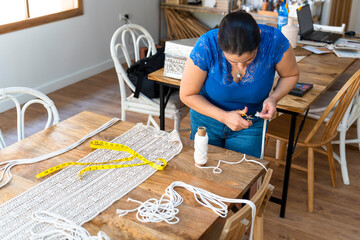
pixel 82 200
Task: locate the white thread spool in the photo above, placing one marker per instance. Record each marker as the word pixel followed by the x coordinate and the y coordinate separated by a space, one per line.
pixel 201 146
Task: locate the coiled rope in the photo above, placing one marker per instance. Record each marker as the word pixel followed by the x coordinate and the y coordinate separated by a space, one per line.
pixel 165 209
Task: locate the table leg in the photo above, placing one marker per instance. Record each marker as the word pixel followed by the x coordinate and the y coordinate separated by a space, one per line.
pixel 162 107
pixel 288 164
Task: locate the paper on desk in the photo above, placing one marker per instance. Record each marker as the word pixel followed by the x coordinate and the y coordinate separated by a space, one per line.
pixel 350 53
pixel 350 42
pixel 317 50
pixel 347 54
pixel 317 44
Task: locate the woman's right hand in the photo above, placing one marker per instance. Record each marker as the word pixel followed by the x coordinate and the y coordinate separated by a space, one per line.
pixel 235 121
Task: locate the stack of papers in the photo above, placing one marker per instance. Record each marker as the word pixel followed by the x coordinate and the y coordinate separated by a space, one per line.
pixel 347 48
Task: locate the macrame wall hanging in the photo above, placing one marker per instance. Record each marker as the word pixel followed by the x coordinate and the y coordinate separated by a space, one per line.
pixel 79 201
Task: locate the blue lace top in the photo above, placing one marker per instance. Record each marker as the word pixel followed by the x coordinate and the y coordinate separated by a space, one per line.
pixel 254 87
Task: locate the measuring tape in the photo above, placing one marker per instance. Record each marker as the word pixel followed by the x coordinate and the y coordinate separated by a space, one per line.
pixel 158 164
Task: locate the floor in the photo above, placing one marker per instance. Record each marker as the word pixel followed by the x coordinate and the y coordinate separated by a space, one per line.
pixel 337 211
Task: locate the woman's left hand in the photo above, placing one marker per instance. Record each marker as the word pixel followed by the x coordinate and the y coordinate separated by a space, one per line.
pixel 269 108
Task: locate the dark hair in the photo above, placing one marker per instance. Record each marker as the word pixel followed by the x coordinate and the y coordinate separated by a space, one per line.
pixel 238 33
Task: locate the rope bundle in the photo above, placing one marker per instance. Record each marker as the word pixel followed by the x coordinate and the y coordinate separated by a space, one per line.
pixel 164 209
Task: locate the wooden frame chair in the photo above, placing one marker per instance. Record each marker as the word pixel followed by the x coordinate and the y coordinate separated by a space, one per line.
pixel 316 133
pixel 351 116
pixel 132 34
pixel 10 93
pixel 236 225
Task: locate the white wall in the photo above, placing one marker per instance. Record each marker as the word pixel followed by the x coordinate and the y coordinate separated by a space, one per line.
pixel 54 55
pixel 326 12
pixel 354 23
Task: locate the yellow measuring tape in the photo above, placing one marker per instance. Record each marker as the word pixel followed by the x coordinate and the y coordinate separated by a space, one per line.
pixel 158 164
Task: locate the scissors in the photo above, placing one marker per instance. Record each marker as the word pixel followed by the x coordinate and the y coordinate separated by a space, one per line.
pixel 248 117
pixel 245 116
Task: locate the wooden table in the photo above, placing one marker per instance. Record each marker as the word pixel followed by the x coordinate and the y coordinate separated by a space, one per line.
pixel 320 70
pixel 195 220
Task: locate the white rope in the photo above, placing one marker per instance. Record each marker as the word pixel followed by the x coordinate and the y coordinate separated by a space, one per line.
pixel 263 140
pixel 217 169
pixel 55 226
pixel 164 209
pixel 201 147
pixel 7 165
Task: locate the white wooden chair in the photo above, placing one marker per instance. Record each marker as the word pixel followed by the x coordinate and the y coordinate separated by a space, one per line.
pixel 351 116
pixel 11 94
pixel 136 34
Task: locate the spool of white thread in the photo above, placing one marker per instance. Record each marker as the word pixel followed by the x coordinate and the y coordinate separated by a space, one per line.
pixel 201 146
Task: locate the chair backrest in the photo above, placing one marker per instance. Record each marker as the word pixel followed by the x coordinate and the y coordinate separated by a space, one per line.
pixel 126 35
pixel 339 105
pixel 236 225
pixel 352 113
pixel 11 92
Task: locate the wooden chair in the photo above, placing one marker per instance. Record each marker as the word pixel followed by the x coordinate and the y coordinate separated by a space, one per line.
pixel 316 133
pixel 11 94
pixel 120 41
pixel 236 225
pixel 351 116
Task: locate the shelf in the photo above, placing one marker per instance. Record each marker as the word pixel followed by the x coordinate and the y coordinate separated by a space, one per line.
pixel 192 8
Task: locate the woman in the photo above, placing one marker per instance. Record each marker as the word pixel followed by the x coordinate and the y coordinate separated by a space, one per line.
pixel 230 72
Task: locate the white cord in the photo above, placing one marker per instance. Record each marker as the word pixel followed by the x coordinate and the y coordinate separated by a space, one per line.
pixel 60 228
pixel 217 169
pixel 201 146
pixel 263 140
pixel 7 165
pixel 164 209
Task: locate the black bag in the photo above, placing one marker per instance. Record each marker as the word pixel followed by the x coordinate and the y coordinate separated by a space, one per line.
pixel 139 70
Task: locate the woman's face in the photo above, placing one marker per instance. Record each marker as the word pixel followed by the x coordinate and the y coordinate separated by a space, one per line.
pixel 242 61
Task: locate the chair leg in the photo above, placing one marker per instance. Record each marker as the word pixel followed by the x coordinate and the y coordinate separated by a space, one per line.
pixel 2 141
pixel 358 130
pixel 152 121
pixel 177 122
pixel 259 228
pixel 277 151
pixel 282 150
pixel 331 164
pixel 123 114
pixel 310 179
pixel 342 148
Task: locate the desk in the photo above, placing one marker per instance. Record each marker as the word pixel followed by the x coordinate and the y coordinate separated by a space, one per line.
pixel 195 221
pixel 320 70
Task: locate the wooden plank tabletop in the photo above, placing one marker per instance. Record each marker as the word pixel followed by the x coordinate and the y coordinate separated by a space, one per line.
pixel 320 70
pixel 195 220
pixel 158 75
